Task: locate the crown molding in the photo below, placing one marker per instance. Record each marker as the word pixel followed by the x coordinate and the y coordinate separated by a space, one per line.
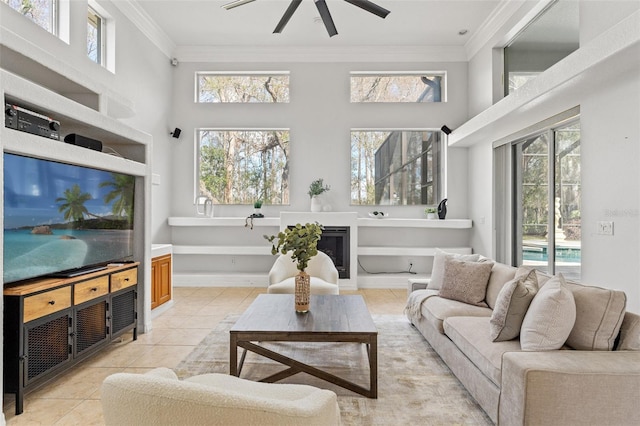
pixel 320 54
pixel 141 19
pixel 491 26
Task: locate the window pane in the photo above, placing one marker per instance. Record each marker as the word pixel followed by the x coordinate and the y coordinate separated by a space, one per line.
pixel 568 199
pixel 243 88
pixel 396 88
pixel 242 166
pixel 94 36
pixel 551 37
pixel 395 167
pixel 42 12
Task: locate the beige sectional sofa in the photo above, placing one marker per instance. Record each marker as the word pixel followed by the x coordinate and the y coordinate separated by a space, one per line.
pixel 593 379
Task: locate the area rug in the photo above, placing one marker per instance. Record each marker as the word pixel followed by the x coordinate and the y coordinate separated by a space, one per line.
pixel 414 385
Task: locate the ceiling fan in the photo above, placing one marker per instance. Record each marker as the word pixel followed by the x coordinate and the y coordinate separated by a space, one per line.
pixel 322 9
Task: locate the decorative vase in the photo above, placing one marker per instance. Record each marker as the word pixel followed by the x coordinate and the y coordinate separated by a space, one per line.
pixel 316 205
pixel 302 292
pixel 431 215
pixel 442 209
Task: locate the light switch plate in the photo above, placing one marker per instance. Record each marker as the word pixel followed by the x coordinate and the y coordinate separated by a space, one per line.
pixel 605 228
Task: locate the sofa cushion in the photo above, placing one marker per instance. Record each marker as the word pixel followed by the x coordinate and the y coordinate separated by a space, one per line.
pixel 500 274
pixel 629 333
pixel 471 336
pixel 437 309
pixel 437 271
pixel 465 281
pixel 511 306
pixel 550 317
pixel 599 315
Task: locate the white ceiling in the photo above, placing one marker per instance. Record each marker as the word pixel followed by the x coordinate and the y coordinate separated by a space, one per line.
pixel 410 23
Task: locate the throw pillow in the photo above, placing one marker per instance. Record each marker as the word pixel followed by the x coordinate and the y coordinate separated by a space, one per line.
pixel 511 306
pixel 437 271
pixel 465 281
pixel 550 318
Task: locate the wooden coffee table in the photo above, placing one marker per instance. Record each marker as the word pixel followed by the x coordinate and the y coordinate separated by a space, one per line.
pixel 331 318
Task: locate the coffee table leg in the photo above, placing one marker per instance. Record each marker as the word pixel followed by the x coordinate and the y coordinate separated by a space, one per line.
pixel 373 366
pixel 233 354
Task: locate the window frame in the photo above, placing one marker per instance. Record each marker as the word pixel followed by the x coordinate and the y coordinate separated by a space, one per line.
pixel 279 73
pixel 54 18
pixel 441 73
pixel 100 34
pixel 438 173
pixel 197 156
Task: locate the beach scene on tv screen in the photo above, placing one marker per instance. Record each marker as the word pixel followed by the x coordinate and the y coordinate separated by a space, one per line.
pixel 60 217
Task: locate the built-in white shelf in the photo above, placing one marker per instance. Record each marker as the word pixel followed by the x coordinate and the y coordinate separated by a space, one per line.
pixel 407 251
pixel 224 250
pixel 362 222
pixel 36 146
pixel 415 223
pixel 223 221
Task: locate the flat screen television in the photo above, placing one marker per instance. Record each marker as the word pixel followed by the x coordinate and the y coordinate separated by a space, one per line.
pixel 62 219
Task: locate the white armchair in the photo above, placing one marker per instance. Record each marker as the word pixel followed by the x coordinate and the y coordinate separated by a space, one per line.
pixel 324 275
pixel 160 398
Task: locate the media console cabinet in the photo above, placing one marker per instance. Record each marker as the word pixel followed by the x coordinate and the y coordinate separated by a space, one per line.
pixel 51 324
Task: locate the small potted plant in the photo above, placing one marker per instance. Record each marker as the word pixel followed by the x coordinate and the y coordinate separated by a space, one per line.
pixel 301 241
pixel 257 206
pixel 430 212
pixel 316 188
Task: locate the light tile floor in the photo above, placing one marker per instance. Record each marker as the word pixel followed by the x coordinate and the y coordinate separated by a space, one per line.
pixel 73 398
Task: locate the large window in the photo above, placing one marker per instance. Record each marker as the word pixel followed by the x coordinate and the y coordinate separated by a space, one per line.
pixel 396 167
pixel 255 87
pixel 547 201
pixel 388 87
pixel 95 36
pixel 42 12
pixel 243 166
pixel 549 38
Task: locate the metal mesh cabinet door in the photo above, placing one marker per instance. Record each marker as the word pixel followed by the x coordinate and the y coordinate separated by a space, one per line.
pixel 47 345
pixel 91 327
pixel 123 312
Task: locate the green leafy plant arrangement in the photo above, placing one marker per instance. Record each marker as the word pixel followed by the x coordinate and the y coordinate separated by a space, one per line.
pixel 430 210
pixel 300 240
pixel 257 204
pixel 317 187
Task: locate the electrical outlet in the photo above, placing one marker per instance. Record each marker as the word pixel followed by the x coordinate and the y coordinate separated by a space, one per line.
pixel 605 228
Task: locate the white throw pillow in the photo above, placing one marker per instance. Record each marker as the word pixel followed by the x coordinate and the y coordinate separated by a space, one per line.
pixel 437 271
pixel 511 306
pixel 550 317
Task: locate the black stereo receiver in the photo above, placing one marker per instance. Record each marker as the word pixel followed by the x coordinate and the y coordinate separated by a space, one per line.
pixel 16 117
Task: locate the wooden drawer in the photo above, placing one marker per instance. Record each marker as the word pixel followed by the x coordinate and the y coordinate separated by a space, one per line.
pixel 40 305
pixel 124 279
pixel 91 289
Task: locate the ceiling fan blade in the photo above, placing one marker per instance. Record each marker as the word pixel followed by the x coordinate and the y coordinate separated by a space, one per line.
pixel 287 15
pixel 370 7
pixel 326 17
pixel 236 3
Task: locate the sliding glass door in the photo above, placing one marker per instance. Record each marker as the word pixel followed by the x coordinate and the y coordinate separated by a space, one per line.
pixel 547 201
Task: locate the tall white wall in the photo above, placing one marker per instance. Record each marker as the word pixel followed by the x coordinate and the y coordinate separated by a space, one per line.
pixel 610 134
pixel 320 117
pixel 142 79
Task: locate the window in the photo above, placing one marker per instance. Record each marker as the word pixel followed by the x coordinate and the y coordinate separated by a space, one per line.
pixel 547 201
pixel 396 167
pixel 242 166
pixel 387 87
pixel 272 87
pixel 95 48
pixel 42 12
pixel 549 38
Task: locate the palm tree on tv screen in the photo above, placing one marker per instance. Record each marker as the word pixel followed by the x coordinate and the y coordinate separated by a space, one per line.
pixel 73 203
pixel 121 194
